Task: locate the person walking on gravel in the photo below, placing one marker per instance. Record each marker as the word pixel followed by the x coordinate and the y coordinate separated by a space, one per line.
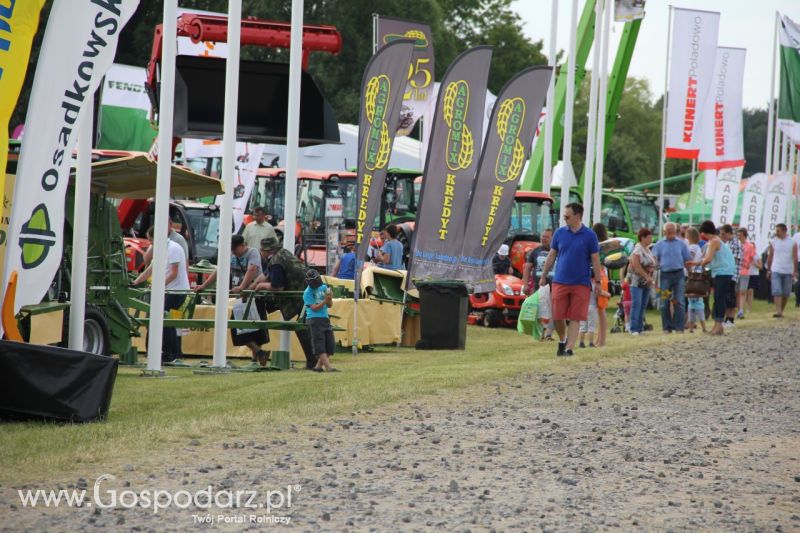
pixel 781 267
pixel 729 238
pixel 577 250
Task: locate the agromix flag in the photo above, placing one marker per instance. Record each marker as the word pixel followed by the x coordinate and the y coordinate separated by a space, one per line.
pixel 692 58
pixel 753 209
pixel 381 96
pixel 453 152
pixel 78 48
pixel 124 122
pixel 789 100
pixel 507 147
pixel 18 23
pixel 726 195
pixel 419 89
pixel 721 139
pixel 776 205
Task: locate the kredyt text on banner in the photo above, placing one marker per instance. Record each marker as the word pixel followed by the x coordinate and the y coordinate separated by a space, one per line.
pixel 78 48
pixel 507 147
pixel 420 76
pixel 381 96
pixel 692 57
pixel 453 153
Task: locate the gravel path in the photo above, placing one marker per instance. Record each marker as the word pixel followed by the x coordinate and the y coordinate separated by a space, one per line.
pixel 675 437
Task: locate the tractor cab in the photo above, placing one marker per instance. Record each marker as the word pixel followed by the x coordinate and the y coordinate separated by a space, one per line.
pixel 531 214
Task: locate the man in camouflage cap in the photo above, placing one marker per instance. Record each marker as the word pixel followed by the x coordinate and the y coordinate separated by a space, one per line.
pixel 283 271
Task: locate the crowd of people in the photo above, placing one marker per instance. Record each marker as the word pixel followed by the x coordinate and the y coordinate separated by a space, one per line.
pixel 692 274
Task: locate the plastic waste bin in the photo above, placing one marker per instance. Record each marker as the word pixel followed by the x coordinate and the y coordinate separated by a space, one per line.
pixel 443 307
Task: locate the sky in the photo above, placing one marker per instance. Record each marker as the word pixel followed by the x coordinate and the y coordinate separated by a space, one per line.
pixel 746 24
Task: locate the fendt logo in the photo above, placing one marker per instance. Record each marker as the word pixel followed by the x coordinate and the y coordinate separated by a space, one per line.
pixel 460 143
pixel 511 157
pixel 36 238
pixel 376 100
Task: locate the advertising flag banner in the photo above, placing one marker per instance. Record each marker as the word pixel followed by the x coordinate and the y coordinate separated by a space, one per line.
pixel 124 122
pixel 419 88
pixel 789 100
pixel 753 209
pixel 450 166
pixel 720 134
pixel 628 10
pixel 507 147
pixel 776 205
pixel 18 24
pixel 381 97
pixel 692 58
pixel 726 195
pixel 78 48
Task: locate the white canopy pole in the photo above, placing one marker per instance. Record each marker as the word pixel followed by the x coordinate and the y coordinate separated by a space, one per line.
pixel 601 117
pixel 155 329
pixel 229 127
pixel 80 228
pixel 551 105
pixel 567 174
pixel 292 137
pixel 591 140
pixel 664 111
pixel 771 115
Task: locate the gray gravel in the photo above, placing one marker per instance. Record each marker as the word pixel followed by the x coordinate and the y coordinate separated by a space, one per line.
pixel 691 435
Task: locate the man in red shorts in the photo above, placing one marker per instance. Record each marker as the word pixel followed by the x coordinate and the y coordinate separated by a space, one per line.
pixel 578 253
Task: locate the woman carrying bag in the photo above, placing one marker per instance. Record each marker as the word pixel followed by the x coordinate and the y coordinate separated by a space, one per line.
pixel 722 265
pixel 641 269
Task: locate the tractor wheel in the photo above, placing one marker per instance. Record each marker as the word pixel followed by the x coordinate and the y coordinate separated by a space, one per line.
pixel 96 336
pixel 492 318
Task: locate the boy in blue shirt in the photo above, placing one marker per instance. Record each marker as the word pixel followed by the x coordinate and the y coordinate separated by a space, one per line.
pixel 318 298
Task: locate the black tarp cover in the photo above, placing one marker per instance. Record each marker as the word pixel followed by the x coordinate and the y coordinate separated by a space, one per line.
pixel 50 383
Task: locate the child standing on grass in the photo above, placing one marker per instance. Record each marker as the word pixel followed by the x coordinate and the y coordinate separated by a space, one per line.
pixel 697 313
pixel 602 304
pixel 318 298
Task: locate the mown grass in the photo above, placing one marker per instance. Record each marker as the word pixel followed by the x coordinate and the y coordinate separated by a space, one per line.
pixel 152 419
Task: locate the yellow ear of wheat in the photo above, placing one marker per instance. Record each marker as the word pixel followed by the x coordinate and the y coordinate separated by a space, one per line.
pixel 382 157
pixel 517 160
pixel 449 103
pixel 503 115
pixel 370 95
pixel 467 149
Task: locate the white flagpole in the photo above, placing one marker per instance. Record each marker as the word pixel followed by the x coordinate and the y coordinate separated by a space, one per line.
pixel 771 114
pixel 591 141
pixel 551 105
pixel 229 127
pixel 691 193
pixel 566 182
pixel 665 110
pixel 155 328
pixel 292 139
pixel 601 117
pixel 80 228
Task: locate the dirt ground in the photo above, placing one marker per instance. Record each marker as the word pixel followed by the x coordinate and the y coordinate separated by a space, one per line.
pixel 700 433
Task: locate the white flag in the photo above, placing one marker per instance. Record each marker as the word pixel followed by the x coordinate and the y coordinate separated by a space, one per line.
pixel 78 48
pixel 726 194
pixel 753 208
pixel 720 133
pixel 692 56
pixel 779 192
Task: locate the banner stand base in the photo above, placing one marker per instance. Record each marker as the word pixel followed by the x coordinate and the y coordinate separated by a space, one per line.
pixel 154 374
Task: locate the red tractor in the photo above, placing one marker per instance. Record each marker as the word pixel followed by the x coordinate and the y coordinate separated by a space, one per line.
pixel 532 213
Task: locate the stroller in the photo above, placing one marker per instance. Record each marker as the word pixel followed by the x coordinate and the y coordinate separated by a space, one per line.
pixel 619 320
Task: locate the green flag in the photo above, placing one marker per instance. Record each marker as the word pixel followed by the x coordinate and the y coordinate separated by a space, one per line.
pixel 789 103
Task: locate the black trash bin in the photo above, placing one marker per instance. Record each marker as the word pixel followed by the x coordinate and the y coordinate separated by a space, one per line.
pixel 443 307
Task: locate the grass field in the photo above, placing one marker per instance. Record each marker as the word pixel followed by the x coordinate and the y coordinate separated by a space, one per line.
pixel 151 418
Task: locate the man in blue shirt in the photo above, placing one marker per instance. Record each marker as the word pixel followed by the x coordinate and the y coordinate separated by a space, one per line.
pixel 578 253
pixel 672 254
pixel 391 253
